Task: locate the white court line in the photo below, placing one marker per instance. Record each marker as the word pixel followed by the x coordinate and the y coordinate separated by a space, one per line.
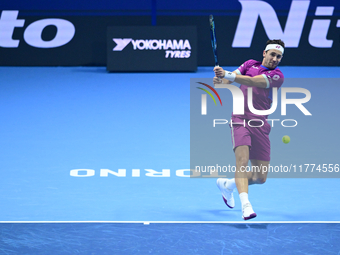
pixel 171 222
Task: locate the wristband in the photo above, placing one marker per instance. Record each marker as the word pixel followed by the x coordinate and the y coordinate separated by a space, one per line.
pixel 229 76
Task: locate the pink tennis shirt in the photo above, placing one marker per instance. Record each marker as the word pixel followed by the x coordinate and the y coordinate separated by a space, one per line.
pixel 262 97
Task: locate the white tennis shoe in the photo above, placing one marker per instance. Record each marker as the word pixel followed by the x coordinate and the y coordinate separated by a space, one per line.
pixel 248 212
pixel 227 194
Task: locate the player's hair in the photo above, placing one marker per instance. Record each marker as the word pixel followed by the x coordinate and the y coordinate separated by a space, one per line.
pixel 276 41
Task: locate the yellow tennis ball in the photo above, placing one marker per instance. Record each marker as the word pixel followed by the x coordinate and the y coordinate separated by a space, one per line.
pixel 286 139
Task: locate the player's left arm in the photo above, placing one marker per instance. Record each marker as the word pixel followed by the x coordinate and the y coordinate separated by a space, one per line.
pixel 260 81
pixel 256 81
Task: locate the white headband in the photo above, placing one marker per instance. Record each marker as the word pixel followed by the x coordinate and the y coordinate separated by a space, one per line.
pixel 274 47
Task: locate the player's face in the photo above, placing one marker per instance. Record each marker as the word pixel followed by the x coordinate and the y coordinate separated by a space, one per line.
pixel 271 58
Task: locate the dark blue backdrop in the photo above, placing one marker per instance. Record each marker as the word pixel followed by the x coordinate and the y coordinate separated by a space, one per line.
pixel 91 19
pixel 189 7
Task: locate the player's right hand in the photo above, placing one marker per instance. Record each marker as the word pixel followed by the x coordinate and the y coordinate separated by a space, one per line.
pixel 217 80
pixel 219 72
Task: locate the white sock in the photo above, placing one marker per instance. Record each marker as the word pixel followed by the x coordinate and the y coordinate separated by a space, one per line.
pixel 230 184
pixel 244 198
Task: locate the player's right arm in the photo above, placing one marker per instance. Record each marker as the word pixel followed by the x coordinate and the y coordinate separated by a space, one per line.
pixel 275 79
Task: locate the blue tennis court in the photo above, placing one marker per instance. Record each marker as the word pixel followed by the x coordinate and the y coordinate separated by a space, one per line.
pixel 81 144
pixel 55 120
pixel 95 238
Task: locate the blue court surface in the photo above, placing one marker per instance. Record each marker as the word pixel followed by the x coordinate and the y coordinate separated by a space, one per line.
pixel 94 238
pixel 79 144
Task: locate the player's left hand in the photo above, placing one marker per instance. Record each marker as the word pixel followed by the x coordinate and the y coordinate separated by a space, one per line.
pixel 219 72
pixel 217 80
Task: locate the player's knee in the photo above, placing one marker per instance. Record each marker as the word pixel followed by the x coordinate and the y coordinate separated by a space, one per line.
pixel 259 180
pixel 262 180
pixel 242 161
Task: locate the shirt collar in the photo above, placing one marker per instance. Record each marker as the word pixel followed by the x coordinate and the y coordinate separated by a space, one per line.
pixel 267 67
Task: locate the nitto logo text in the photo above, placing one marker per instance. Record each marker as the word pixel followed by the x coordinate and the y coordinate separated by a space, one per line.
pixel 32 34
pixel 252 11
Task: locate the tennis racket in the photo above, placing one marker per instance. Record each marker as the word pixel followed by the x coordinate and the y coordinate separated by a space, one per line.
pixel 213 38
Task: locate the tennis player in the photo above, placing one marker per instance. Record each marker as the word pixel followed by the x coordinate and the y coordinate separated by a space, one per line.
pixel 250 132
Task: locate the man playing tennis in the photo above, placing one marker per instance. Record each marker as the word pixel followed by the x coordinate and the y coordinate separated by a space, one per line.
pixel 251 139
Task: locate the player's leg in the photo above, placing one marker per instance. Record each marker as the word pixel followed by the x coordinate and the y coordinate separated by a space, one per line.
pixel 242 178
pixel 241 141
pixel 241 175
pixel 227 186
pixel 258 175
pixel 259 156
